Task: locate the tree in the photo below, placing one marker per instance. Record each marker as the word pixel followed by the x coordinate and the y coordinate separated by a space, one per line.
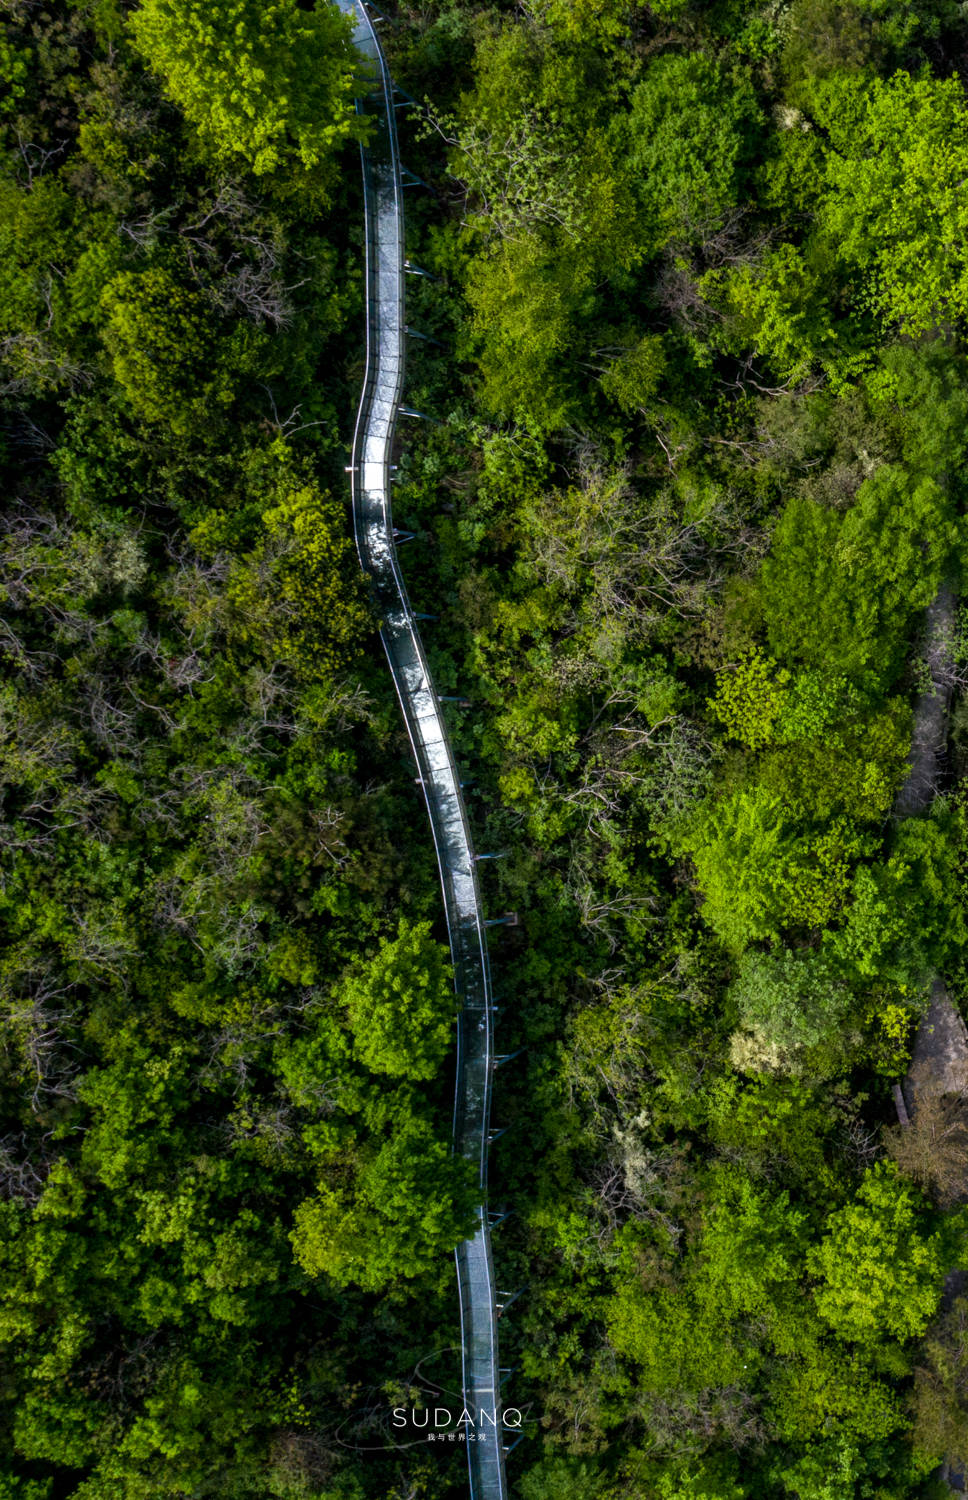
pixel 777 1127
pixel 536 146
pixel 401 1004
pixel 752 1247
pixel 702 1481
pixel 37 247
pixel 681 1344
pixel 759 872
pixel 271 85
pixel 553 1477
pixel 792 1003
pixel 750 699
pixel 895 210
pixel 298 595
pixel 411 1202
pixel 161 336
pixel 775 308
pixel 941 1387
pixel 905 919
pixel 14 70
pixel 839 592
pixel 693 128
pixel 525 299
pixel 849 769
pixel 830 37
pixel 878 1266
pixel 634 378
pixel 920 391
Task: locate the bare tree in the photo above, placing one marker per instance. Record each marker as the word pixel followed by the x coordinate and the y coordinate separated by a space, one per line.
pixel 24 1168
pixel 933 1148
pixel 302 1461
pixel 35 1026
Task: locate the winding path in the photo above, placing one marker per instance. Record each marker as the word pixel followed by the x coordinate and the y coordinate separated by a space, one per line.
pixel 939 1063
pixel 438 775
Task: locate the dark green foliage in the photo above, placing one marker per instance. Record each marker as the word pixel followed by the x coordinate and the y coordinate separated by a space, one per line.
pixel 691 554
pixel 699 474
pixel 201 813
pixel 693 132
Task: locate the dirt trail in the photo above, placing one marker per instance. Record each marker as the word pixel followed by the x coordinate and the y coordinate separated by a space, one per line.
pixel 931 711
pixel 939 1061
pixel 940 1058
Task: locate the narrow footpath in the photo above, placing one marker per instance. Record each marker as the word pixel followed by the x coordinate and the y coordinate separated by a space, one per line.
pixel 437 772
pixel 939 1064
pixel 939 1060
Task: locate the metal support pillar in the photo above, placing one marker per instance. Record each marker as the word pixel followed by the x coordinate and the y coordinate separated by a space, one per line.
pixel 425 338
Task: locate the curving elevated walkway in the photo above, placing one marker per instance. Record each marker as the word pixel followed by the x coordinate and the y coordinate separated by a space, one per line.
pixel 370 470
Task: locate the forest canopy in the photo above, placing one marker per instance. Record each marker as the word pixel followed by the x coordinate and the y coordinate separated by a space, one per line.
pixel 688 542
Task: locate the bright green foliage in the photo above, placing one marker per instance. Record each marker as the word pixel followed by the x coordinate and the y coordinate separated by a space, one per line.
pixel 605 21
pixel 825 755
pixel 298 593
pixel 697 1485
pixel 634 379
pixel 809 617
pixel 758 873
pixel 524 300
pixel 676 1340
pixel 536 147
pixel 267 84
pixel 853 769
pixel 778 1126
pixel 401 1005
pixel 692 130
pixel 897 539
pixel 750 699
pixel 777 309
pixel 839 591
pixel 746 1270
pixel 922 391
pixel 752 1246
pixel 879 1268
pixel 813 704
pixel 13 73
pixel 905 917
pixel 895 210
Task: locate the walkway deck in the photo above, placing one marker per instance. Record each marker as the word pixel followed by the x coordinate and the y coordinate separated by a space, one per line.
pixel 372 456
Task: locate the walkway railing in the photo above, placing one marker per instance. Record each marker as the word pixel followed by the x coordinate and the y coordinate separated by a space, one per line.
pixel 370 471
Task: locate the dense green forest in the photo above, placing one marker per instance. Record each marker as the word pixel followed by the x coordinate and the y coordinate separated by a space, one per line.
pixel 701 275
